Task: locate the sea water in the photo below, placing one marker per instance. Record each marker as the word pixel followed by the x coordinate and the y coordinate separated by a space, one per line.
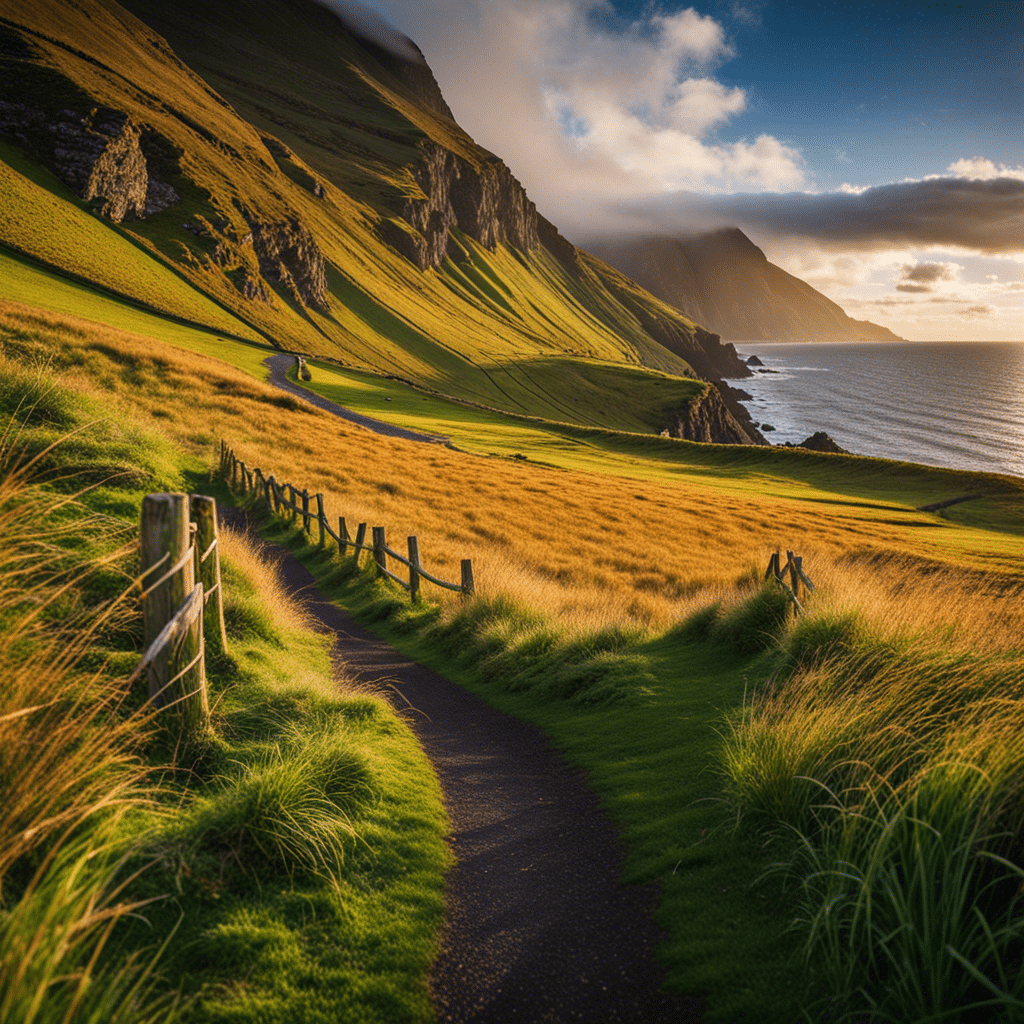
pixel 955 404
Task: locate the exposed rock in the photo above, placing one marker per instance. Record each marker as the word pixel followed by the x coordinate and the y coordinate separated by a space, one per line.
pixel 253 288
pixel 819 441
pixel 754 361
pixel 708 418
pixel 486 203
pixel 767 426
pixel 99 154
pixel 288 254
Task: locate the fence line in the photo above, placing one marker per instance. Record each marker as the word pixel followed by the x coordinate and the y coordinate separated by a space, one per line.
pixel 794 567
pixel 286 499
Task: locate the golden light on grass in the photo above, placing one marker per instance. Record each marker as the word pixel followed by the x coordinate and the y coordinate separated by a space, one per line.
pixel 586 548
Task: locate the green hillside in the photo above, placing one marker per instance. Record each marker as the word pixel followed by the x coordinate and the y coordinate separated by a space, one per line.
pixel 301 142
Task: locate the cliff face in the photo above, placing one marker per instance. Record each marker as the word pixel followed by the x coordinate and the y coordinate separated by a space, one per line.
pixel 725 282
pixel 288 254
pixel 709 419
pixel 96 151
pixel 486 203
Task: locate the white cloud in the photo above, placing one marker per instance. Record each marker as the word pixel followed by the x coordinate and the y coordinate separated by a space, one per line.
pixel 589 110
pixel 979 168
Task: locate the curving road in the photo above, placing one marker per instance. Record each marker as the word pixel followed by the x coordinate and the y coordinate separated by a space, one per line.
pixel 279 366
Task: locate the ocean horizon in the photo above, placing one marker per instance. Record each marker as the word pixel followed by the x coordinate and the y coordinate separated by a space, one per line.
pixel 958 404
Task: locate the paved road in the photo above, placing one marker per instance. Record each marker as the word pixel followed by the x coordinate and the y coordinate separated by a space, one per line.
pixel 279 366
pixel 539 927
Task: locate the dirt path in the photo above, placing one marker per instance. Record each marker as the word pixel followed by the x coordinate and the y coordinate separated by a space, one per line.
pixel 279 366
pixel 539 927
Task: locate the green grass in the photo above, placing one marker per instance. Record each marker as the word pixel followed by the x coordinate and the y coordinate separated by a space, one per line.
pixel 642 716
pixel 31 285
pixel 41 217
pixel 289 868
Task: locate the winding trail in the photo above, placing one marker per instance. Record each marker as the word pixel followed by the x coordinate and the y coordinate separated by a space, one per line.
pixel 539 927
pixel 279 366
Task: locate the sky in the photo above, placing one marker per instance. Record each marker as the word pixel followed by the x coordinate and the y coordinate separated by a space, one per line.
pixel 875 150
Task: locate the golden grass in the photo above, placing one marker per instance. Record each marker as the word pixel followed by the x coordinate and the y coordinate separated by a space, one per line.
pixel 582 548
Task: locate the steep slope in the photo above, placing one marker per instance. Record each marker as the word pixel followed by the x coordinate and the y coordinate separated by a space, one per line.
pixel 725 282
pixel 315 189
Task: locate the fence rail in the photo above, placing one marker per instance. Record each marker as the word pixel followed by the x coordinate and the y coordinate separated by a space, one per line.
pixel 794 568
pixel 287 499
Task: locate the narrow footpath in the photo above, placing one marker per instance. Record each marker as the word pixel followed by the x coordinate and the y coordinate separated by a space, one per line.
pixel 539 927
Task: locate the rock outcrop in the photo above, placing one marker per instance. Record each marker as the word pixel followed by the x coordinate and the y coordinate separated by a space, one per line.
pixel 99 154
pixel 709 419
pixel 288 254
pixel 486 203
pixel 819 441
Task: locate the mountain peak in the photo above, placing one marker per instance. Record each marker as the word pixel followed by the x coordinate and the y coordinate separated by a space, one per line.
pixel 724 281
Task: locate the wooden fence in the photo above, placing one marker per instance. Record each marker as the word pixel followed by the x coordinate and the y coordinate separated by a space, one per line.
pixel 287 499
pixel 794 568
pixel 182 603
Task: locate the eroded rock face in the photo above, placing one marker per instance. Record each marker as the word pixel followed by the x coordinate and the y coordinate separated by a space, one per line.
pixel 488 204
pixel 288 254
pixel 709 419
pixel 98 154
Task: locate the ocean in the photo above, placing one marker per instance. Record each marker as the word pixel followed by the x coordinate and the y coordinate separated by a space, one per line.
pixel 955 404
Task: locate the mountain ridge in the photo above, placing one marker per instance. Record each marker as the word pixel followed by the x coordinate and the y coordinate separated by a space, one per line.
pixel 316 186
pixel 723 280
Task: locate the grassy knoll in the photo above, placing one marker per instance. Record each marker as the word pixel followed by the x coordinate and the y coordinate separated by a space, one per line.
pixel 289 868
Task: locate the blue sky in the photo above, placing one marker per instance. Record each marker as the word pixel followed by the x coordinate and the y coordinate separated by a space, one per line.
pixel 876 92
pixel 875 150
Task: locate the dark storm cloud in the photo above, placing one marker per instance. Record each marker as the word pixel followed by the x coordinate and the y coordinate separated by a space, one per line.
pixel 984 216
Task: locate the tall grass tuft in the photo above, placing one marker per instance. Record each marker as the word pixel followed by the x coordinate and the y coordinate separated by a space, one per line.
pixel 911 914
pixel 283 809
pixel 69 766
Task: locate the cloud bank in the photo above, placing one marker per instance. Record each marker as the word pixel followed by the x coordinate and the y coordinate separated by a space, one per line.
pixel 589 109
pixel 984 215
pixel 368 24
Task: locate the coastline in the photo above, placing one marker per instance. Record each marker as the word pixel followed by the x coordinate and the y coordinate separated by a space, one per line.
pixel 952 404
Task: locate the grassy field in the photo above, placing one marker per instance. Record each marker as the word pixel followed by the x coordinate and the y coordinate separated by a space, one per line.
pixel 579 628
pixel 257 875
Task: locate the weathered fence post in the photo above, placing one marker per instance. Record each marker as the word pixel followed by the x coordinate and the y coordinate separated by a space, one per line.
pixel 234 471
pixel 272 496
pixel 177 675
pixel 379 555
pixel 343 537
pixel 467 577
pixel 321 521
pixel 794 579
pixel 414 569
pixel 360 540
pixel 305 510
pixel 204 518
pixel 293 512
pixel 245 476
